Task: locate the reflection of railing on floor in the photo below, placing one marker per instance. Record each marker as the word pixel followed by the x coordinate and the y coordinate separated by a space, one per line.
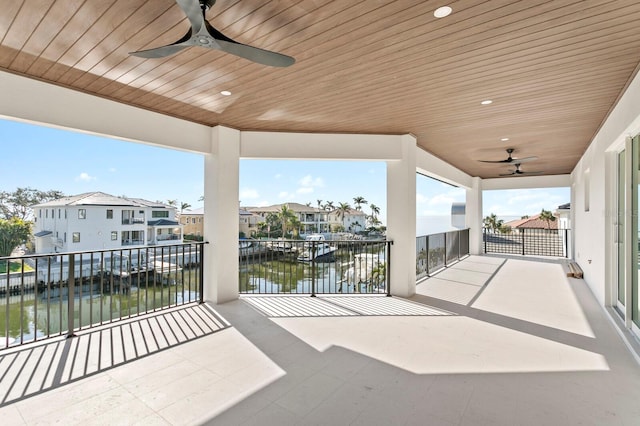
pixel 436 251
pixel 528 242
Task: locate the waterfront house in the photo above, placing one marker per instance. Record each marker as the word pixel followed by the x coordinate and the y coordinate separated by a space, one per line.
pixel 193 222
pixel 96 221
pixel 351 220
pixel 312 219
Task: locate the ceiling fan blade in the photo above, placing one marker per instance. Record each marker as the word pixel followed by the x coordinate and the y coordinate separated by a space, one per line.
pixel 510 160
pixel 496 161
pixel 161 52
pixel 255 54
pixel 524 160
pixel 194 13
pixel 507 174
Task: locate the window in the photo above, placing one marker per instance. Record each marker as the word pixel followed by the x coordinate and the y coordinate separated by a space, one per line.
pixel 40 213
pixel 587 188
pixel 188 220
pixel 114 235
pixel 199 220
pixel 110 214
pixel 53 213
pixel 65 214
pixel 65 237
pixel 76 237
pixel 59 213
pixel 156 214
pixel 82 214
pixel 46 214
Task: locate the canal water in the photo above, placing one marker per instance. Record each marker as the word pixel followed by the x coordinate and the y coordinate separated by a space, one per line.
pixel 23 317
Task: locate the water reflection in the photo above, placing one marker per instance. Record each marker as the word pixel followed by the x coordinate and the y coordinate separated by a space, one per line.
pixel 45 314
pixel 349 271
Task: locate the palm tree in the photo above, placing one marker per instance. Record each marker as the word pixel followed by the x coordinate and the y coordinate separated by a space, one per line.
pixel 375 210
pixel 342 209
pixel 272 221
pixel 492 222
pixel 319 204
pixel 172 203
pixel 329 206
pixel 184 206
pixel 286 216
pixel 359 201
pixel 548 217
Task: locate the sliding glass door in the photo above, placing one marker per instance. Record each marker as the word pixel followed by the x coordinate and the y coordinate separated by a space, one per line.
pixel 626 297
pixel 620 234
pixel 635 240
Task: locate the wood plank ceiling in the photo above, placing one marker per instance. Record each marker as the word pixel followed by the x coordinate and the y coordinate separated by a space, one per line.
pixel 553 68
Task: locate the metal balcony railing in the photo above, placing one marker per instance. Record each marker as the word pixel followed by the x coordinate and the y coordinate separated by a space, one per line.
pixel 528 242
pixel 314 267
pixel 437 251
pixel 43 296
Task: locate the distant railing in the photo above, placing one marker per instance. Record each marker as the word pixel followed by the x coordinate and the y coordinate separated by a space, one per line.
pixel 314 267
pixel 436 251
pixel 56 294
pixel 529 242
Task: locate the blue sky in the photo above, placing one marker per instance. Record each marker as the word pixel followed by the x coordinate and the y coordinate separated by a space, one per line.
pixel 46 158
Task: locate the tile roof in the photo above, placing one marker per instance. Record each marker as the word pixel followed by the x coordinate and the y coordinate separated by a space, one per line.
pixel 98 198
pixel 533 222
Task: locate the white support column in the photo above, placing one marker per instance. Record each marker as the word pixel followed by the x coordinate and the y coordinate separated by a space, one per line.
pixel 474 216
pixel 221 208
pixel 401 218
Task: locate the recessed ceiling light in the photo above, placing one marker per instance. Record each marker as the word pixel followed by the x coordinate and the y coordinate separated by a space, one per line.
pixel 443 11
pixel 486 102
pixel 225 93
pixel 504 139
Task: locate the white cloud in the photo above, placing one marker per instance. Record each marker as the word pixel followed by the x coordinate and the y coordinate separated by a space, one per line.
pixel 262 203
pixel 309 180
pixel 441 199
pixel 421 198
pixel 304 190
pixel 85 177
pixel 249 194
pixel 112 169
pixel 285 194
pixel 278 176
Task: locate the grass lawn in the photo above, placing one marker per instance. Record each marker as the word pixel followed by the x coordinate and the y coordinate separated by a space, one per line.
pixel 13 267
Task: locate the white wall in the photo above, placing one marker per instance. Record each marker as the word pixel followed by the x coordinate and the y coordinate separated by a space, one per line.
pixel 593 228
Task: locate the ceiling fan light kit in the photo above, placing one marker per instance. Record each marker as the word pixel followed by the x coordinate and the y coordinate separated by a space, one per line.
pixel 202 34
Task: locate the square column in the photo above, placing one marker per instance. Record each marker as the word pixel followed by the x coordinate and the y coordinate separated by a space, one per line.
pixel 401 218
pixel 473 217
pixel 221 209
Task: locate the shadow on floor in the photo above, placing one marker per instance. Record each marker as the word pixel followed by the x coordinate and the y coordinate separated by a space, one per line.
pixel 36 368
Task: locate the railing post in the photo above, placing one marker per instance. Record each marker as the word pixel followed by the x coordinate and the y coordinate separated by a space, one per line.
pixel 524 231
pixel 388 268
pixel 312 255
pixel 70 295
pixel 428 255
pixel 445 249
pixel 566 243
pixel 201 273
pixel 484 234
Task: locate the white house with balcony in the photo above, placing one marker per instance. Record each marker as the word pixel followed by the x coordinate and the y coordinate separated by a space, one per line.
pixel 312 219
pixel 97 221
pixel 351 220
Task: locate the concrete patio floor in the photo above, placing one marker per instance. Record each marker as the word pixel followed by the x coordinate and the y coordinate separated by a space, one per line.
pixel 487 341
